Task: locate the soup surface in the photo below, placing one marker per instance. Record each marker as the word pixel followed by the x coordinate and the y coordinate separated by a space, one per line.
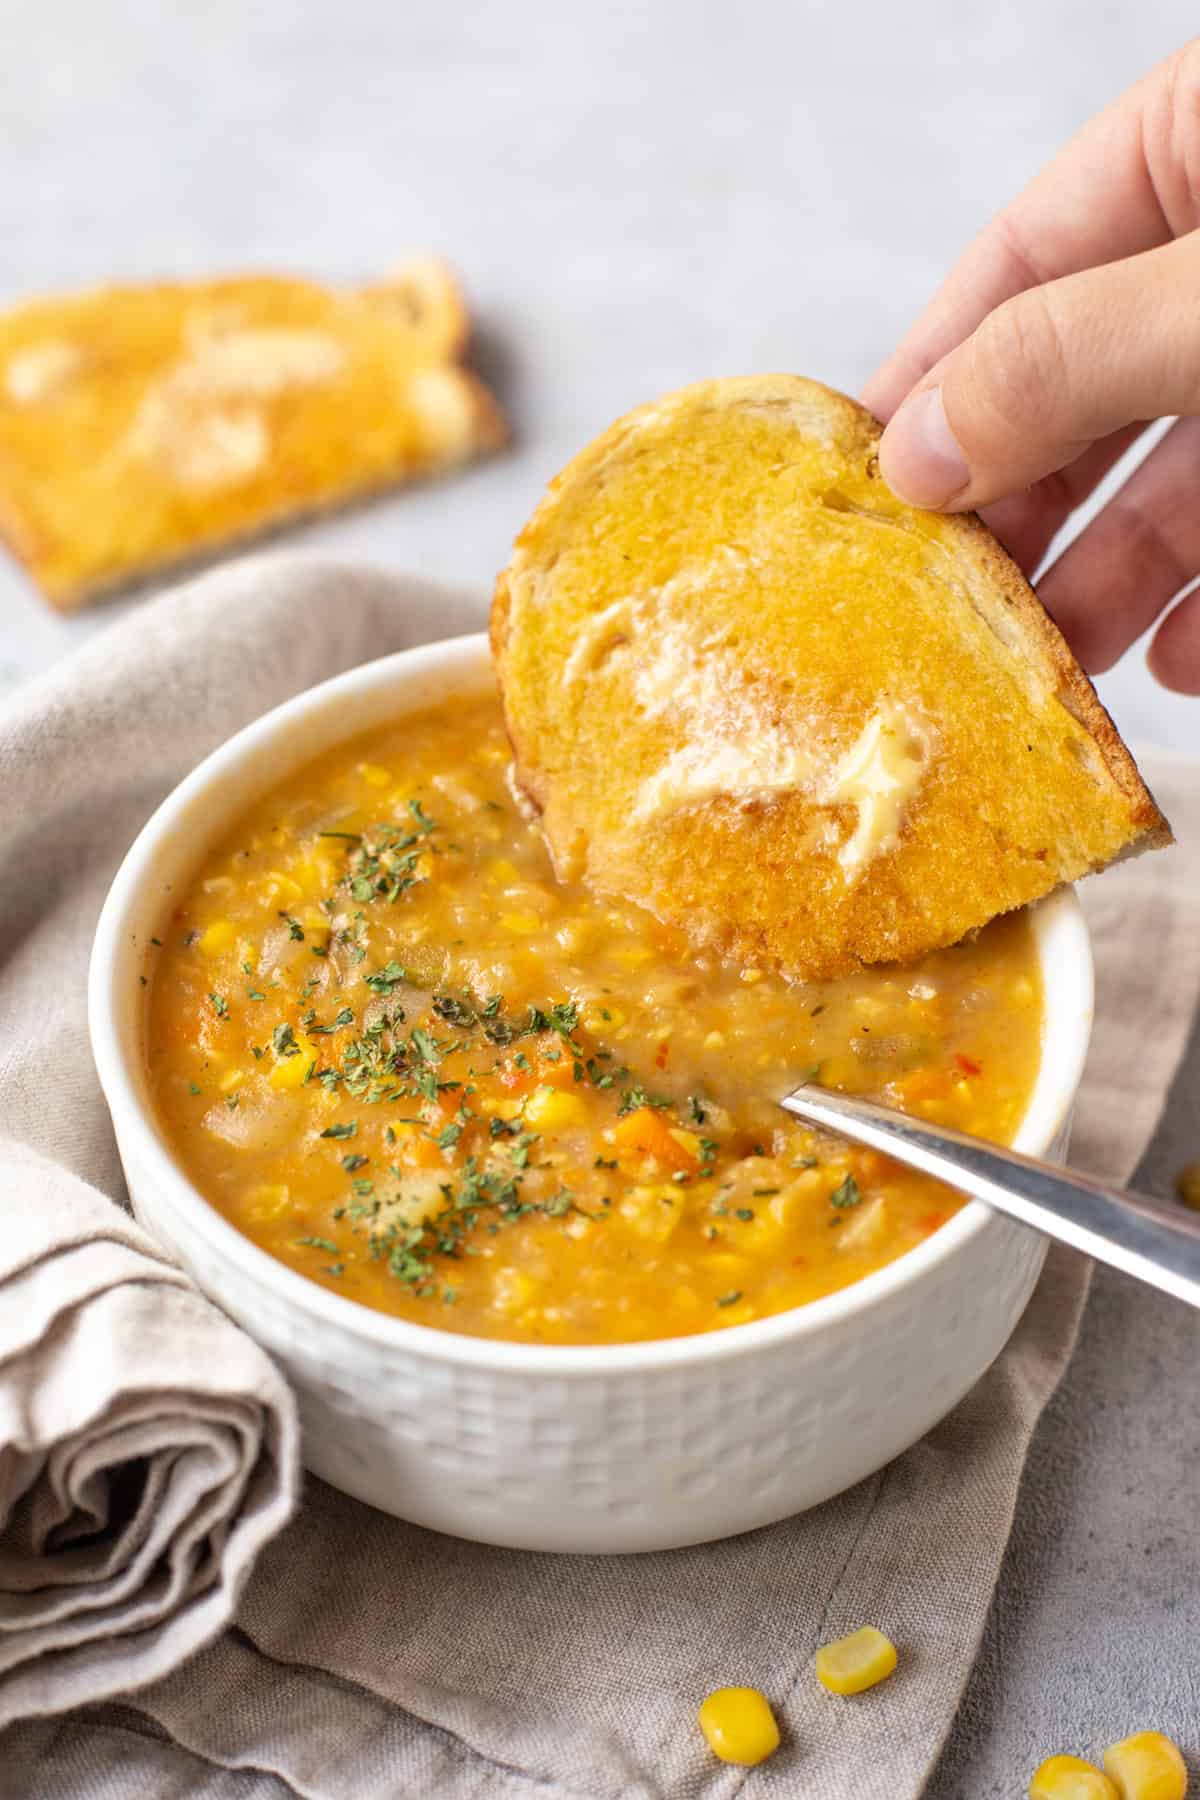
pixel 393 1050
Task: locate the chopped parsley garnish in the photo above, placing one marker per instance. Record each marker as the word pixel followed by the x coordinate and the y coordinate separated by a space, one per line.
pixel 454 1011
pixel 846 1193
pixel 383 864
pixel 283 1041
pixel 220 1005
pixel 730 1299
pixel 350 1163
pixel 345 1017
pixel 388 979
pixel 633 1098
pixel 295 929
pixel 348 1130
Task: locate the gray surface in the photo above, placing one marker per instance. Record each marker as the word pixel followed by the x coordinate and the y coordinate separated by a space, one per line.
pixel 638 195
pixel 1093 1629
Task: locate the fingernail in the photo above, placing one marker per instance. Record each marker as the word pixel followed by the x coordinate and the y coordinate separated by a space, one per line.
pixel 919 455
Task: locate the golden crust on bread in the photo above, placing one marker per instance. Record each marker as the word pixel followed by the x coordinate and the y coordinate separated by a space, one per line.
pixel 141 426
pixel 749 688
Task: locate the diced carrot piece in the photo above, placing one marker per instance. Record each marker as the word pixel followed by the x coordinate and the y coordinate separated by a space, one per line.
pixel 925 1084
pixel 560 1074
pixel 539 1071
pixel 646 1133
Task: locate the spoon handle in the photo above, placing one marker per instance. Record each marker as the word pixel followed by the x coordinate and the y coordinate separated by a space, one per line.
pixel 1154 1240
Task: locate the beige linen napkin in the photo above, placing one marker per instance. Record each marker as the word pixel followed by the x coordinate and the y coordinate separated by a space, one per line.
pixel 148 1449
pixel 370 1658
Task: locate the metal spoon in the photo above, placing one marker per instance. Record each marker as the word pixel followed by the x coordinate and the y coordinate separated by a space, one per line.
pixel 1155 1241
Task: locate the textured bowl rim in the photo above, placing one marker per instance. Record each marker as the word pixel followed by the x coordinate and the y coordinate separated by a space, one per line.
pixel 1064 952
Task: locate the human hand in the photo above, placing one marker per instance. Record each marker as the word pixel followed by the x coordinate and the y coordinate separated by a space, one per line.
pixel 1070 322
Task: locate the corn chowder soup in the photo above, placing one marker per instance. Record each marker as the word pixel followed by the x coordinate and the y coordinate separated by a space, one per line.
pixel 400 1056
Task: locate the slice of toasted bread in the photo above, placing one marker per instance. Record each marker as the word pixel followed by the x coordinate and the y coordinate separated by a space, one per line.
pixel 749 688
pixel 141 426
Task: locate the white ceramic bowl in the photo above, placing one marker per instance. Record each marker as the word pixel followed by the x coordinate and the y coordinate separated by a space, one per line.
pixel 599 1448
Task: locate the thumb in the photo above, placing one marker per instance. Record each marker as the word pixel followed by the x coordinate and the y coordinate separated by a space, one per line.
pixel 1045 375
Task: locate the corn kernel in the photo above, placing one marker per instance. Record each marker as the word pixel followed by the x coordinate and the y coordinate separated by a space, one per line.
pixel 290 1071
pixel 266 1202
pixel 855 1663
pixel 375 774
pixel 232 1079
pixel 687 1140
pixel 314 874
pixel 550 1109
pixel 520 924
pixel 247 954
pixel 715 1040
pixel 599 1019
pixel 217 937
pixel 513 1291
pixel 1146 1766
pixel 278 886
pixel 752 977
pixel 1187 1185
pixel 653 1212
pixel 1070 1778
pixel 739 1725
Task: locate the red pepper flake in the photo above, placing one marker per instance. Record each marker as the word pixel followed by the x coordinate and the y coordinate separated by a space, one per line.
pixel 967 1064
pixel 664 1049
pixel 929 1222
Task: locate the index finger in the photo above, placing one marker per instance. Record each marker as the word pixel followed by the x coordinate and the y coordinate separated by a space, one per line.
pixel 1118 187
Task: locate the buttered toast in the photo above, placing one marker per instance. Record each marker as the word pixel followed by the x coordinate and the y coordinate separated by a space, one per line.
pixel 749 688
pixel 143 425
